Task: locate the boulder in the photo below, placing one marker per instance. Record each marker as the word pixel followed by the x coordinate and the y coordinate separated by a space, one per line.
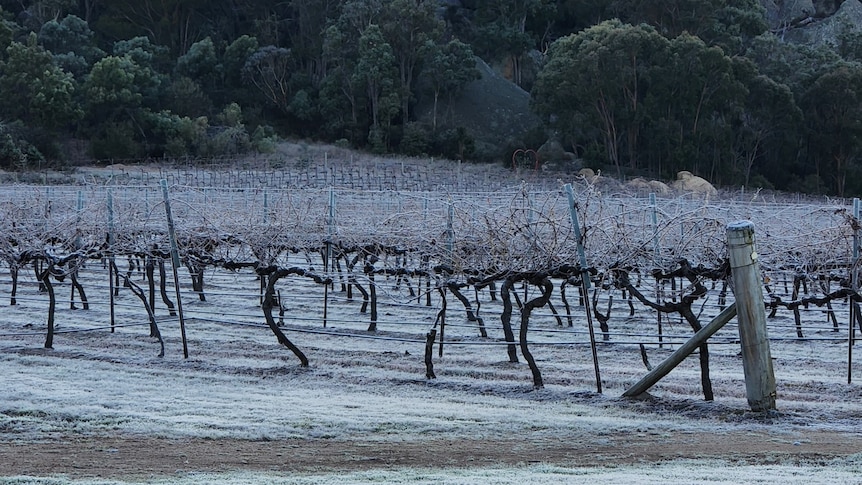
pixel 588 174
pixel 688 182
pixel 643 185
pixel 554 158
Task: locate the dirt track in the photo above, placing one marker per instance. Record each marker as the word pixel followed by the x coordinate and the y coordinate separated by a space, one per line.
pixel 128 457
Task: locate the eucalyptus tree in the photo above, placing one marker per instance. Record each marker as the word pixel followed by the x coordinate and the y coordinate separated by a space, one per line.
pixel 692 102
pixel 36 90
pixel 833 112
pixel 270 70
pixel 501 30
pixel 627 96
pixel 796 65
pixel 8 30
pixel 728 24
pixel 120 92
pixel 199 62
pixel 376 71
pixel 599 78
pixel 407 26
pixel 340 97
pixel 449 68
pixel 72 43
pixel 306 21
pixel 176 24
pixel 767 134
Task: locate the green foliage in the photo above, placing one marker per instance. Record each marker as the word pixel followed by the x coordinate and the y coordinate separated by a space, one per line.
pixel 614 90
pixel 71 35
pixel 142 52
pixel 270 69
pixel 376 72
pixel 71 42
pixel 833 110
pixel 119 86
pixel 200 62
pixel 174 136
pixel 500 29
pixel 302 106
pixel 186 98
pixel 116 141
pixel 455 143
pixel 415 140
pixel 235 57
pixel 8 31
pixel 16 151
pixel 407 26
pixel 264 139
pixel 795 65
pixel 729 25
pixel 600 77
pixel 231 116
pixel 175 24
pixel 44 94
pixel 449 68
pixel 663 88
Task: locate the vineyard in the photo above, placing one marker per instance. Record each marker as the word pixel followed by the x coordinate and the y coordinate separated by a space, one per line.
pixel 422 267
pixel 404 313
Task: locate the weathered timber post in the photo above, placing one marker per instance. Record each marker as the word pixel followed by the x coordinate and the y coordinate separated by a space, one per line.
pixel 682 352
pixel 751 315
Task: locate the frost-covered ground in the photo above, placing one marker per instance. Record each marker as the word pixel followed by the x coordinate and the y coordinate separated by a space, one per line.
pixel 675 472
pixel 370 388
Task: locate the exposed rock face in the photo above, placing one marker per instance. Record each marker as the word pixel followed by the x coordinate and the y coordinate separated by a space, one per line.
pixel 815 22
pixel 688 182
pixel 782 13
pixel 494 111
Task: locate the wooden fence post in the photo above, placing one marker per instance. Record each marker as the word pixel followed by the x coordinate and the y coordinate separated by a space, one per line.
pixel 751 315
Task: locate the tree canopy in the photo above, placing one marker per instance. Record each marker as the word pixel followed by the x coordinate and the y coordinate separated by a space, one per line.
pixel 637 88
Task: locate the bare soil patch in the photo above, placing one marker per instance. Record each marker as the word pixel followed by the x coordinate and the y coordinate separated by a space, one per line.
pixel 129 456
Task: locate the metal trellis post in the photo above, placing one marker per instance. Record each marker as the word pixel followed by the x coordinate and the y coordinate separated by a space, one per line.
pixel 175 262
pixel 585 281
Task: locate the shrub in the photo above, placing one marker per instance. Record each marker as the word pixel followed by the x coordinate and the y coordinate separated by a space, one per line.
pixel 415 140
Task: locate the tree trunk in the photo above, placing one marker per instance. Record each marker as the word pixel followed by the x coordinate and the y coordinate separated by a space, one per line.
pixel 471 317
pixel 506 319
pixel 529 306
pixel 154 327
pixel 76 285
pixel 163 277
pixel 268 305
pixel 13 272
pixel 45 279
